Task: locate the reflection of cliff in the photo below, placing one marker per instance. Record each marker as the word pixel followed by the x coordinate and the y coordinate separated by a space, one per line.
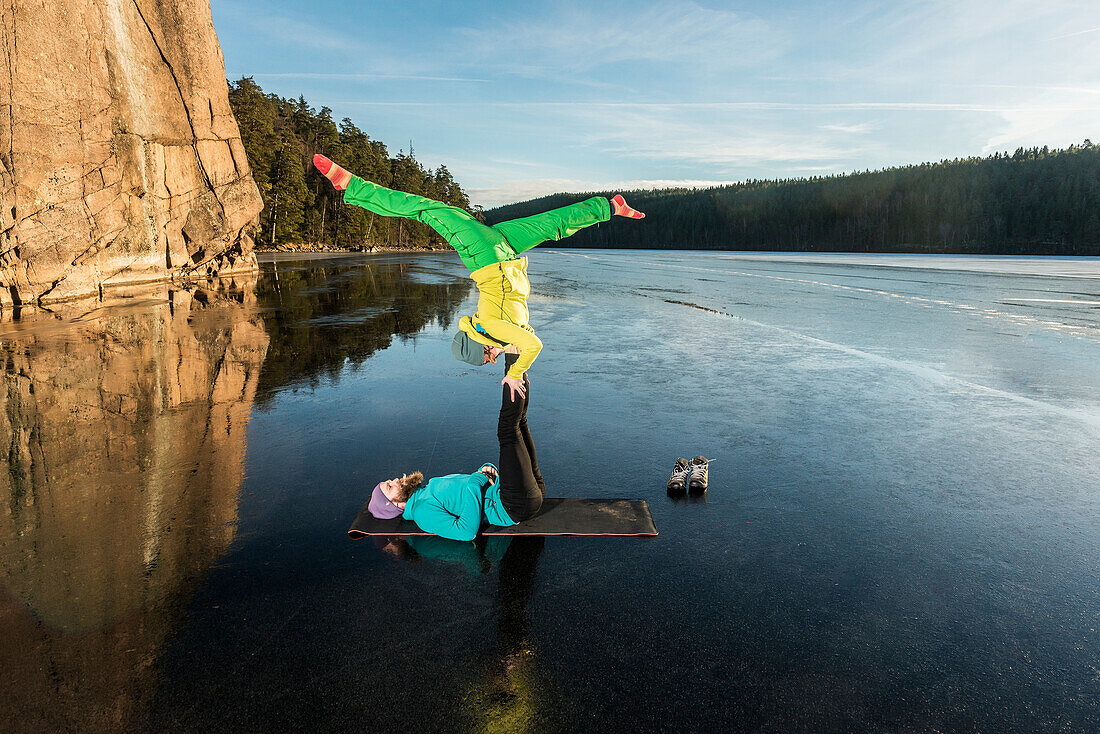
pixel 307 312
pixel 124 436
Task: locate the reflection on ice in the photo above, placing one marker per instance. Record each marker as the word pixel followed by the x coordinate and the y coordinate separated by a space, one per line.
pixel 126 436
pixel 900 529
pixel 506 697
pixel 321 317
pixel 125 420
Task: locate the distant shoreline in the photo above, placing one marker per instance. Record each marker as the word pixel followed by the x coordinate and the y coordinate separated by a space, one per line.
pixel 322 248
pixel 1067 266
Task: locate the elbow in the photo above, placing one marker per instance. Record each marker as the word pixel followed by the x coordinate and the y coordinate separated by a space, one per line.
pixel 465 527
pixel 532 349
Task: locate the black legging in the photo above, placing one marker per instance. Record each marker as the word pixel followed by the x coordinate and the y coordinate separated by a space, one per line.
pixel 522 489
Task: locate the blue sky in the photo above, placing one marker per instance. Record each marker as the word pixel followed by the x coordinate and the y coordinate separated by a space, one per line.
pixel 523 99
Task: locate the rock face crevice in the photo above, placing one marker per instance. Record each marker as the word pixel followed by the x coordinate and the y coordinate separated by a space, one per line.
pixel 120 158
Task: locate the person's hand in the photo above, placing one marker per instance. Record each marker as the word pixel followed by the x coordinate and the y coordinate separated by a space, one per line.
pixel 515 385
pixel 488 471
pixel 491 353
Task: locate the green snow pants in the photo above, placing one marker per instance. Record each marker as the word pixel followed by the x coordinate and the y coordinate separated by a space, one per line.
pixel 477 244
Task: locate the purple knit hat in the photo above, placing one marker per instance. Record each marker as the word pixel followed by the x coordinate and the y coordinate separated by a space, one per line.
pixel 381 507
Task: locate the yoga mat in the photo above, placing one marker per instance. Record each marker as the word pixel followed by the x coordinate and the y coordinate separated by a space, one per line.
pixel 558 516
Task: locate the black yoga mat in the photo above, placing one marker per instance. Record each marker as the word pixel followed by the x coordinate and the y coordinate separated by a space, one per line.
pixel 557 517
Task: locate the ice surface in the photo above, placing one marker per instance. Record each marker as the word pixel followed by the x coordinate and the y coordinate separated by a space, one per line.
pixel 902 530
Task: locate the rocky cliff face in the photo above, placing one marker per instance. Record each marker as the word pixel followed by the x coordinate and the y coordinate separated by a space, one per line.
pixel 120 159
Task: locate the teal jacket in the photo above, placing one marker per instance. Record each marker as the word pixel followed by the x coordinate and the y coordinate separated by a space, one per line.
pixel 453 506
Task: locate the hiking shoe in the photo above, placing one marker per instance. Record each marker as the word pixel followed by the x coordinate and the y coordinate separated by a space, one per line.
pixel 678 481
pixel 697 474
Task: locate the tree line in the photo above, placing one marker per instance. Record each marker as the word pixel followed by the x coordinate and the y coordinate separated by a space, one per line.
pixel 281 136
pixel 1033 201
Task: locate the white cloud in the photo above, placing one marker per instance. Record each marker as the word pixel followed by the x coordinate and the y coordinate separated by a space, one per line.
pixel 1026 129
pixel 917 46
pixel 364 76
pixel 523 189
pixel 297 32
pixel 862 127
pixel 585 36
pixel 1074 33
pixel 991 59
pixel 898 106
pixel 714 138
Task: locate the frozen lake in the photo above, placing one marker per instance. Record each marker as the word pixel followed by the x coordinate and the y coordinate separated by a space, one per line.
pixel 902 530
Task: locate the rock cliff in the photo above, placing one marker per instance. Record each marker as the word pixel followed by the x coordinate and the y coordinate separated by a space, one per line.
pixel 120 159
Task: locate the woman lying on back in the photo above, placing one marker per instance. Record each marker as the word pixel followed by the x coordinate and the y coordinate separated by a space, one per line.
pixel 454 506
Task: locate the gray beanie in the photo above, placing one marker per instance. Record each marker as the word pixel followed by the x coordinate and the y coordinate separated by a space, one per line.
pixel 466 349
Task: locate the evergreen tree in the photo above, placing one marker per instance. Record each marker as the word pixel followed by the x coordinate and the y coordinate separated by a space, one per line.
pixel 281 136
pixel 288 193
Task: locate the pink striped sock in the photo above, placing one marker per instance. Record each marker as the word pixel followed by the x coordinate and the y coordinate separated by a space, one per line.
pixel 340 177
pixel 620 207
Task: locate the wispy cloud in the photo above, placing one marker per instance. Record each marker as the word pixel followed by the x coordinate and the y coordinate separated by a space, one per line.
pixel 1033 88
pixel 584 36
pixel 363 76
pixel 816 169
pixel 1071 35
pixel 983 58
pixel 862 127
pixel 1027 128
pixel 299 32
pixel 945 41
pixel 524 189
pixel 721 141
pixel 753 106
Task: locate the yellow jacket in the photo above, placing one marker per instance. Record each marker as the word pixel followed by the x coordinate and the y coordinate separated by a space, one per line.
pixel 501 316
